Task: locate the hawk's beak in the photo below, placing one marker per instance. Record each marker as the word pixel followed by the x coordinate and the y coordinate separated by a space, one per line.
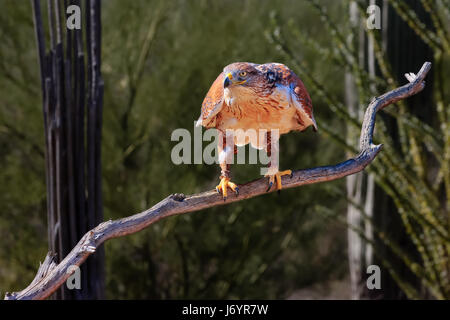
pixel 228 79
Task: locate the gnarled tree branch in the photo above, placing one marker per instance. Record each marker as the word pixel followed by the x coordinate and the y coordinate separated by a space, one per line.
pixel 50 276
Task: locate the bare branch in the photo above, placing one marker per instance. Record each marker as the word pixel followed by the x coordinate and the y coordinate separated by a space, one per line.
pixel 44 269
pixel 50 279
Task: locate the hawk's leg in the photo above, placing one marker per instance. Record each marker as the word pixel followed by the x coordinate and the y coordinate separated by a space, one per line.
pixel 226 149
pixel 273 173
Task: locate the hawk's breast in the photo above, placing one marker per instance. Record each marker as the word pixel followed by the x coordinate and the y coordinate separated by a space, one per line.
pixel 266 109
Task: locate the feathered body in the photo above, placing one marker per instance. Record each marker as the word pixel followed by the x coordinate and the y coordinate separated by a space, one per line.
pixel 272 97
pixel 250 98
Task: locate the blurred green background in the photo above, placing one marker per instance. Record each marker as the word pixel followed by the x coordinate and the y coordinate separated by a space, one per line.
pixel 159 59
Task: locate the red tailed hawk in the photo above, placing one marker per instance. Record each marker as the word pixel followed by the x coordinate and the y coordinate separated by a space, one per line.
pixel 261 98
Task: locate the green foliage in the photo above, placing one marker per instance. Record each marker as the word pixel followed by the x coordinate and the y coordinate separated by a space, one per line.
pixel 417 175
pixel 159 59
pixel 22 175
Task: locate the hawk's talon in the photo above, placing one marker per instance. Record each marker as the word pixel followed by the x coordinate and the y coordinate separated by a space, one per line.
pixel 223 185
pixel 277 178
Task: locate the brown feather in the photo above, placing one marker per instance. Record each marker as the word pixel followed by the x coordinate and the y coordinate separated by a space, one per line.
pixel 275 98
pixel 212 104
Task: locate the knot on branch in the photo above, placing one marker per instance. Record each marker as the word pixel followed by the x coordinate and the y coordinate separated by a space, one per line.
pixel 178 197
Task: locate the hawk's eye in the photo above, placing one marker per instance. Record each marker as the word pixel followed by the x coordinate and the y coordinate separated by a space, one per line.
pixel 242 74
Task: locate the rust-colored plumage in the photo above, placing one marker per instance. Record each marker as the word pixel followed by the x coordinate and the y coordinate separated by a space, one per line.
pixel 258 97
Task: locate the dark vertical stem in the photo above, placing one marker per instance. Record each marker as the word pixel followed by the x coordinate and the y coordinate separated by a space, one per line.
pixel 40 44
pixel 79 103
pixel 73 175
pixel 92 85
pixel 94 133
pixel 70 154
pixel 53 138
pixel 51 23
pixel 98 157
pixel 49 165
pixel 70 136
pixel 61 145
pixel 98 191
pixel 70 41
pixel 90 152
pixel 53 226
pixel 58 21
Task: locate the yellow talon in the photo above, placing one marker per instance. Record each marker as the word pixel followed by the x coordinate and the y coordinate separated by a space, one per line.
pixel 224 184
pixel 277 177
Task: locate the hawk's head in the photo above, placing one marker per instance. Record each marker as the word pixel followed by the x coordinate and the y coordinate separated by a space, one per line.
pixel 241 74
pixel 244 81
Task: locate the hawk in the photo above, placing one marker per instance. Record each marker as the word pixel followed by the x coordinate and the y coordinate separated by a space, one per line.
pixel 259 97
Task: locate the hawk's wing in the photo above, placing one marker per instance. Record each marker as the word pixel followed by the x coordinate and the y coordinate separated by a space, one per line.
pixel 299 96
pixel 212 103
